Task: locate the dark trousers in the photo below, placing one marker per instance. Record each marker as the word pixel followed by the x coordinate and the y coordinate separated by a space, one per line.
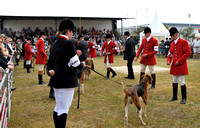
pixel 130 68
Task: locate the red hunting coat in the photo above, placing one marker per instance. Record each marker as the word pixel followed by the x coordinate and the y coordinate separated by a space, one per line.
pixel 151 49
pixel 41 55
pixel 28 53
pixel 92 50
pixel 179 52
pixel 111 47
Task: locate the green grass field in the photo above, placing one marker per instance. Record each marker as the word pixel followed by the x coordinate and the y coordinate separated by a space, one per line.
pixel 102 104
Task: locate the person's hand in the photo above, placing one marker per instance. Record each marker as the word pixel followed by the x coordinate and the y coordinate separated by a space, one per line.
pixel 11 67
pixel 79 52
pixel 10 63
pixel 51 72
pixel 177 63
pixel 168 63
pixel 135 59
pixel 144 55
pixel 108 53
pixel 83 64
pixel 100 54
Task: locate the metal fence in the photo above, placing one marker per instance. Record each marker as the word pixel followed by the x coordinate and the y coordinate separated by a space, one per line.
pixel 6 94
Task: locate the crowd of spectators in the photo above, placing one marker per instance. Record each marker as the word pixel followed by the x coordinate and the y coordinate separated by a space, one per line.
pixel 164 47
pixel 96 36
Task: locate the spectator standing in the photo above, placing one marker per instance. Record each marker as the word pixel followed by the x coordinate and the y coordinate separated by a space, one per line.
pixel 162 48
pixel 149 46
pixel 129 54
pixel 178 54
pixel 167 47
pixel 110 49
pixel 196 46
pixel 18 50
pixel 41 57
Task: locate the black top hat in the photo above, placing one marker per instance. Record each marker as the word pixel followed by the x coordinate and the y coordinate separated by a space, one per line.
pixel 108 36
pixel 79 36
pixel 173 31
pixel 79 48
pixel 86 38
pixel 147 30
pixel 66 24
pixel 127 33
pixel 42 33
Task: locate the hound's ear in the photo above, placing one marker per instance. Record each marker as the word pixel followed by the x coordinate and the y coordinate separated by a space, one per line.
pixel 150 79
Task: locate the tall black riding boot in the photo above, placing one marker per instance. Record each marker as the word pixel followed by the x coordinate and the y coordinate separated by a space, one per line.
pixel 92 66
pixel 141 74
pixel 62 119
pixel 55 119
pixel 28 68
pixel 40 79
pixel 184 94
pixel 113 72
pixel 24 63
pixel 51 93
pixel 175 91
pixel 17 62
pixel 153 81
pixel 108 73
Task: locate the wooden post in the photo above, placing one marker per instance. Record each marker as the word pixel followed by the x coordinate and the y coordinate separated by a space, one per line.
pixel 79 25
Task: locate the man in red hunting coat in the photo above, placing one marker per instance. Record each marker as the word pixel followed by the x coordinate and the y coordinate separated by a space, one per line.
pixel 149 46
pixel 177 57
pixel 41 56
pixel 110 49
pixel 28 54
pixel 91 52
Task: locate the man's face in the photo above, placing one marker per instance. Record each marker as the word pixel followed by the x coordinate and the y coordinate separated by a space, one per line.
pixel 3 38
pixel 29 41
pixel 125 36
pixel 107 39
pixel 175 36
pixel 147 35
pixel 44 37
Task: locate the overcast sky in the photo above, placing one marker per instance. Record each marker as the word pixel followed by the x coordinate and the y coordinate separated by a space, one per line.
pixel 170 11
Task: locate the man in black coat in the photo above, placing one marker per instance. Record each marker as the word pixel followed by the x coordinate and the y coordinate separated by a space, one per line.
pixel 129 54
pixel 82 43
pixel 167 46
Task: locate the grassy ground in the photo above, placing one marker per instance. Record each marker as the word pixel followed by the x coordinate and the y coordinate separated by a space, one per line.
pixel 102 105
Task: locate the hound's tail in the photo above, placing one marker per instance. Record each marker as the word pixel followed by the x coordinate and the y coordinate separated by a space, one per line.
pixel 126 91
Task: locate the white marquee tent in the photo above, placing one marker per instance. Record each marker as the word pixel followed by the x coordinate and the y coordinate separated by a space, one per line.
pixel 158 30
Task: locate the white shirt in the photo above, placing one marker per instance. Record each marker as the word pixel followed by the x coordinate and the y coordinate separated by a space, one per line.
pixel 42 38
pixel 109 42
pixel 176 40
pixel 196 43
pixel 149 38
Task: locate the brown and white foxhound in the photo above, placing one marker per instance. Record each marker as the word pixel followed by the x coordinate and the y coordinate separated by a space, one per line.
pixel 133 94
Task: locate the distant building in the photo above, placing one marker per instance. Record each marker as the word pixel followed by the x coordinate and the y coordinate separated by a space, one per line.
pixel 180 26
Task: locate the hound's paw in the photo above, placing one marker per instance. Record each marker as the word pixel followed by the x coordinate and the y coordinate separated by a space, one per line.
pixel 126 121
pixel 144 115
pixel 144 123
